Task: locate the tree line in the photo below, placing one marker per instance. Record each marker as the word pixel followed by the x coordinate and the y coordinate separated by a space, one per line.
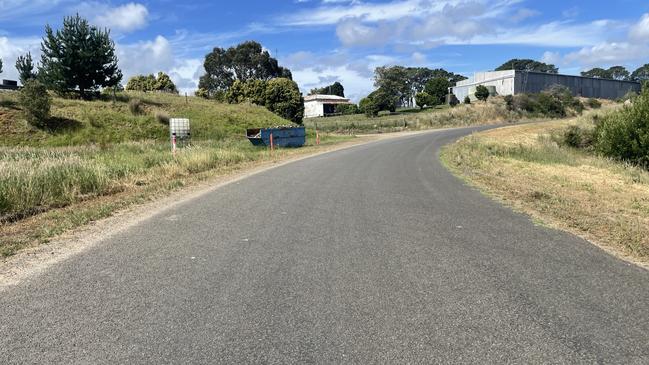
pixel 248 73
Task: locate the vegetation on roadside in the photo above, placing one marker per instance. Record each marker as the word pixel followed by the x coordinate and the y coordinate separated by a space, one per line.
pixel 494 111
pixel 537 169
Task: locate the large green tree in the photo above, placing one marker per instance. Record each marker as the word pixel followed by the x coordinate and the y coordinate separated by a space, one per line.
pixel 619 73
pixel 78 57
pixel 246 61
pixel 641 74
pixel 437 88
pixel 279 95
pixel 614 73
pixel 25 67
pixel 596 72
pixel 334 89
pixel 528 65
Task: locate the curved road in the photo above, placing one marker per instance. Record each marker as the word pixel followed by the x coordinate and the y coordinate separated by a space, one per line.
pixel 372 254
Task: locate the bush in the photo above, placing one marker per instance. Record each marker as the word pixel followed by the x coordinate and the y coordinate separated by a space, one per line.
pixel 283 97
pixel 467 99
pixel 135 106
pixel 550 106
pixel 347 109
pixel 624 135
pixel 162 117
pixel 577 137
pixel 482 93
pixel 35 101
pixel 369 107
pixel 594 103
pixel 423 99
pixel 453 100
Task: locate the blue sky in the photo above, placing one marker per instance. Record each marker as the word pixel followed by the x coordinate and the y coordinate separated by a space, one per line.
pixel 322 41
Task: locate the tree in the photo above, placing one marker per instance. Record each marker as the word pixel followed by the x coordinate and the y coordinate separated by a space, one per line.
pixel 641 74
pixel 246 61
pixel 78 57
pixel 482 93
pixel 283 98
pixel 597 72
pixel 334 89
pixel 0 65
pixel 619 73
pixel 423 99
pixel 163 83
pixel 25 67
pixel 467 99
pixel 528 65
pixel 35 102
pixel 141 83
pixel 393 81
pixel 369 107
pixel 384 99
pixel 437 88
pixel 149 82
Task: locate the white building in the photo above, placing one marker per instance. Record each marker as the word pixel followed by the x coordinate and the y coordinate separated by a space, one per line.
pixel 322 105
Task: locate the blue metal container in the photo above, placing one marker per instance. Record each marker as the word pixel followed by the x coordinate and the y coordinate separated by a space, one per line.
pixel 282 136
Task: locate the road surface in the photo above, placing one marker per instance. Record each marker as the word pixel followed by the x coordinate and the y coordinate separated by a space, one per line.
pixel 372 254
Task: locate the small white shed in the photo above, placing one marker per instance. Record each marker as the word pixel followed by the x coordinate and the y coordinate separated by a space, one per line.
pixel 322 105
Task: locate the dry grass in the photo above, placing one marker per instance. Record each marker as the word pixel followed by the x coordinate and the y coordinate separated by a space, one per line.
pixel 47 191
pixel 602 200
pixel 494 111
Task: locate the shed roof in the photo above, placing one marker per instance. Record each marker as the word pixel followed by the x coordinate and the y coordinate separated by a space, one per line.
pixel 327 98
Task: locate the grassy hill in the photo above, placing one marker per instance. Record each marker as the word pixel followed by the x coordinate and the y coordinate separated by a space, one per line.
pixel 105 122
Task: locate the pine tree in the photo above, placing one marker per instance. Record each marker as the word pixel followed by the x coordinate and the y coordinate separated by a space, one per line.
pixel 79 57
pixel 25 67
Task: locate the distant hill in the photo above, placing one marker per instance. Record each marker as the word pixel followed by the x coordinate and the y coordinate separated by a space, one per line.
pixel 106 122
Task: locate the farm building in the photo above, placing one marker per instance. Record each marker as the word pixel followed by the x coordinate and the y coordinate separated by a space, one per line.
pixel 513 82
pixel 322 105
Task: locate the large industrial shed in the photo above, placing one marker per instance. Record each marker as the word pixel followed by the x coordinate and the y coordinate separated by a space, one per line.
pixel 322 105
pixel 520 82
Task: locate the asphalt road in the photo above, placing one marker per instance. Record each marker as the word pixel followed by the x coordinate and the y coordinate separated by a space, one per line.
pixel 373 254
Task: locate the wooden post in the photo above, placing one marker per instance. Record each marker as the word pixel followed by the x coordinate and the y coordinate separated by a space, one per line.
pixel 272 147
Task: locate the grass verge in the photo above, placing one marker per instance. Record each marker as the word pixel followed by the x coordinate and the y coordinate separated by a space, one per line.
pixel 599 199
pixel 45 192
pixel 494 111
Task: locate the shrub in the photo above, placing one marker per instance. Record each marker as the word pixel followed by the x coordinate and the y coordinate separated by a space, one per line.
pixel 283 97
pixel 550 106
pixel 453 100
pixel 594 103
pixel 347 109
pixel 482 93
pixel 35 103
pixel 423 99
pixel 577 137
pixel 135 106
pixel 467 99
pixel 369 107
pixel 624 134
pixel 162 117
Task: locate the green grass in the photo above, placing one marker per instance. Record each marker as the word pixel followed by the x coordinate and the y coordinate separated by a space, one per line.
pixel 105 158
pixel 106 122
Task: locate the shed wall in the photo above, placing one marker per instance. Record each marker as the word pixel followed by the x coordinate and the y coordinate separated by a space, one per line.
pixel 534 82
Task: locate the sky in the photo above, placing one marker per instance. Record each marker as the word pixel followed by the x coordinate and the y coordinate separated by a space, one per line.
pixel 323 41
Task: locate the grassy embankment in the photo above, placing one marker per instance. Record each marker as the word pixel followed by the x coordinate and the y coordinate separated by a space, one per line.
pixel 104 159
pixel 494 111
pixel 576 190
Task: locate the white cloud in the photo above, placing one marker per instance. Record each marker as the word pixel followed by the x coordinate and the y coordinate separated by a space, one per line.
pixel 11 48
pixel 159 54
pixel 607 53
pixel 125 18
pixel 640 31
